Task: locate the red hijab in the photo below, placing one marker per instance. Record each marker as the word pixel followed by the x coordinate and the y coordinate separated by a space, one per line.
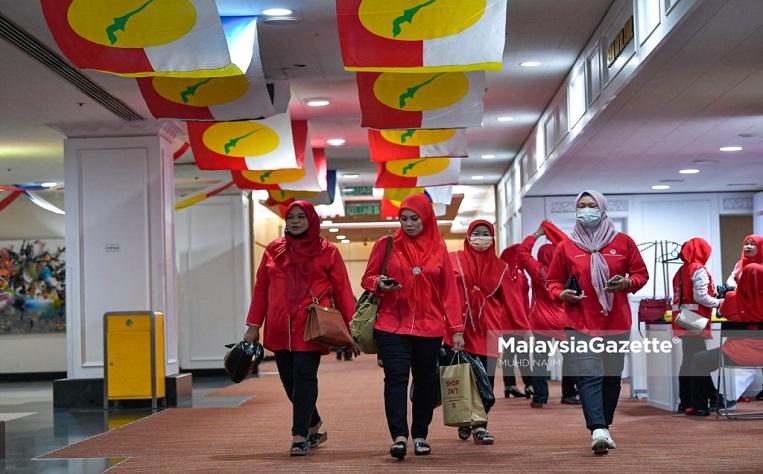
pixel 545 256
pixel 424 251
pixel 758 257
pixel 482 273
pixel 694 253
pixel 296 253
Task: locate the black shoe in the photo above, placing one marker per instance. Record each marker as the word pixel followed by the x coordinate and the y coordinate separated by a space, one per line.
pixel 347 355
pixel 316 439
pixel 421 448
pixel 464 432
pixel 513 391
pixel 338 355
pixel 571 401
pixel 299 449
pixel 398 450
pixel 529 391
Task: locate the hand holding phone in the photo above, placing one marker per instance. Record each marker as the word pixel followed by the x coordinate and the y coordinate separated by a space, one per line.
pixel 390 281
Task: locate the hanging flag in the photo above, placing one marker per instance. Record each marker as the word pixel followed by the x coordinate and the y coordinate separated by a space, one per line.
pixel 311 177
pixel 148 37
pixel 388 145
pixel 241 97
pixel 422 35
pixel 251 144
pixel 440 194
pixel 422 100
pixel 8 200
pixel 202 195
pixel 418 172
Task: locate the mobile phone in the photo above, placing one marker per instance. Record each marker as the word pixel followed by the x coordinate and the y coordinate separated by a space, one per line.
pixel 614 280
pixel 390 281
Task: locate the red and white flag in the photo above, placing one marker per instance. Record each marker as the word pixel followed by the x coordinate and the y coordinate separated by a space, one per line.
pixel 147 37
pixel 388 145
pixel 418 172
pixel 311 177
pixel 422 100
pixel 422 35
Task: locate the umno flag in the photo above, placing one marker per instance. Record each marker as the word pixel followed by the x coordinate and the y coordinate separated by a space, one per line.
pixel 422 100
pixel 418 172
pixel 421 35
pixel 388 145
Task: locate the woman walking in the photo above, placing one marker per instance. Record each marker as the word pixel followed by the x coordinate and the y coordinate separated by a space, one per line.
pixel 606 265
pixel 295 271
pixel 419 306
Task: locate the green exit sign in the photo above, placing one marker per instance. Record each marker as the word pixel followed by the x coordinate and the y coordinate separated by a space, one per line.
pixel 359 191
pixel 362 209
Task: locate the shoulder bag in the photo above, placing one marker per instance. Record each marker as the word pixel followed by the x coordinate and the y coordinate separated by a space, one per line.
pixel 362 325
pixel 325 325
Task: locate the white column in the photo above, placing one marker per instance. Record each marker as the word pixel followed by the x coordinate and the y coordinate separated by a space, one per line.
pixel 119 235
pixel 757 213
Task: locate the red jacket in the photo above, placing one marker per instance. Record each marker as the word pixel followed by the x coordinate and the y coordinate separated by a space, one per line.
pixel 394 316
pixel 748 299
pixel 623 258
pixel 503 313
pixel 285 331
pixel 546 313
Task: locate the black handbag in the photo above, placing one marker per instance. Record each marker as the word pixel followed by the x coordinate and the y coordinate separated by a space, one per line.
pixel 242 359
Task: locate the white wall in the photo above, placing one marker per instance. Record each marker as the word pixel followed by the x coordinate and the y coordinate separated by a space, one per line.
pixel 214 281
pixel 21 353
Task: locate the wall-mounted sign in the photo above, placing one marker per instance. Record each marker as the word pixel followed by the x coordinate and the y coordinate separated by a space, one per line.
pixel 358 191
pixel 621 40
pixel 368 208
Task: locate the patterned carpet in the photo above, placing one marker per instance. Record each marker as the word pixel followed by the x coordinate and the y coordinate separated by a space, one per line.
pixel 256 436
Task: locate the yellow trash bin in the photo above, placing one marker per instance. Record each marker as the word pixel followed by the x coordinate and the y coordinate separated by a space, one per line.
pixel 133 349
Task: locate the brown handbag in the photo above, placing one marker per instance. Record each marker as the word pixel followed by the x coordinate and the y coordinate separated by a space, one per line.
pixel 325 325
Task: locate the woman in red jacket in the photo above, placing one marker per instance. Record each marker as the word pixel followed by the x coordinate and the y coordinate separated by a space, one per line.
pixel 296 270
pixel 419 306
pixel 521 290
pixel 693 290
pixel 489 305
pixel 607 266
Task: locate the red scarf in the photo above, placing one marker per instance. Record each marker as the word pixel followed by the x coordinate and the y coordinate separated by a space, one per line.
pixel 424 251
pixel 297 254
pixel 481 272
pixel 694 253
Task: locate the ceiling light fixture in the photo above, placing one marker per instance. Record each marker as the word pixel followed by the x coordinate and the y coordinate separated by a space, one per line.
pixel 530 64
pixel 351 176
pixel 689 171
pixel 505 118
pixel 276 12
pixel 488 157
pixel 336 141
pixel 333 230
pixel 660 187
pixel 346 241
pixel 341 237
pixel 48 185
pixel 327 222
pixel 317 102
pixel 731 148
pixel 478 177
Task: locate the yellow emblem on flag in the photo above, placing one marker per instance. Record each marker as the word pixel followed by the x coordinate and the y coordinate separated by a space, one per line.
pixel 417 167
pixel 201 92
pixel 274 176
pixel 417 20
pixel 241 139
pixel 417 92
pixel 418 136
pixel 132 23
pixel 283 196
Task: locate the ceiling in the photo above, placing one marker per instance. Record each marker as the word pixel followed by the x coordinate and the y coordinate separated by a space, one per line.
pixel 307 52
pixel 700 91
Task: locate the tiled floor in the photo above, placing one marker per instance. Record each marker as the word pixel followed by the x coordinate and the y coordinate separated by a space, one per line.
pixel 46 429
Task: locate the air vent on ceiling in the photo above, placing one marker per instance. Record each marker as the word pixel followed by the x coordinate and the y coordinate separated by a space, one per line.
pixel 36 49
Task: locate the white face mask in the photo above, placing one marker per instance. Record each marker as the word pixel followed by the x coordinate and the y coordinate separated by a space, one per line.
pixel 480 243
pixel 588 216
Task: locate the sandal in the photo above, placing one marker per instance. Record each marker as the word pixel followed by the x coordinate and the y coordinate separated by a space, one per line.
pixel 482 436
pixel 316 439
pixel 421 448
pixel 464 432
pixel 299 449
pixel 398 450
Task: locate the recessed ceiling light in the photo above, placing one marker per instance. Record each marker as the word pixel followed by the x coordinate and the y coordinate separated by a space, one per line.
pixel 351 176
pixel 689 171
pixel 48 185
pixel 346 241
pixel 317 102
pixel 276 12
pixel 530 64
pixel 505 118
pixel 488 157
pixel 731 148
pixel 333 230
pixel 327 222
pixel 478 177
pixel 336 141
pixel 341 237
pixel 660 187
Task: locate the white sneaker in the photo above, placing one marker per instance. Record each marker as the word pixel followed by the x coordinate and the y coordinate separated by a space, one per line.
pixel 610 441
pixel 600 441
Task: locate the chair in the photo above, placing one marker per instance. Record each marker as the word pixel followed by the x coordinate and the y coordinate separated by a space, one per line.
pixel 753 330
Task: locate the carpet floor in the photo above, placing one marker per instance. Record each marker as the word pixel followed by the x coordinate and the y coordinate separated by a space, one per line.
pixel 256 435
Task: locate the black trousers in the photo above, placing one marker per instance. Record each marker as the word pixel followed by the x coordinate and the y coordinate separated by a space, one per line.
pixel 402 356
pixel 299 376
pixel 701 388
pixel 521 359
pixel 690 346
pixel 598 380
pixel 568 381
